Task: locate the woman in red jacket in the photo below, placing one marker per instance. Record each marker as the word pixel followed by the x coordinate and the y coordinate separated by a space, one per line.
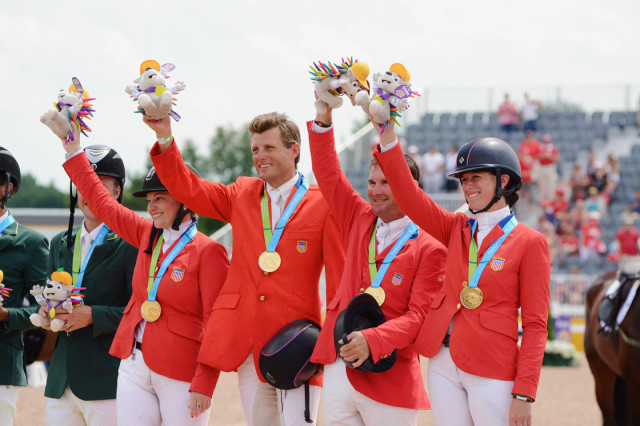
pixel 177 277
pixel 478 373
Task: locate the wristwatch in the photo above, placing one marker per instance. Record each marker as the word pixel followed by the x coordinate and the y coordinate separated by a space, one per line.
pixel 524 398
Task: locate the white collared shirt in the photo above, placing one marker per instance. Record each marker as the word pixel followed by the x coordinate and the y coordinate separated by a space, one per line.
pixel 4 216
pixel 170 235
pixel 487 220
pixel 285 191
pixel 387 233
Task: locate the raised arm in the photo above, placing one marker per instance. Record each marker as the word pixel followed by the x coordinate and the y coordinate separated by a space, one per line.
pixel 345 204
pixel 118 218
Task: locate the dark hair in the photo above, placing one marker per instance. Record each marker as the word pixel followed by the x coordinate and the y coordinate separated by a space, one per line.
pixel 289 131
pixel 3 178
pixel 413 167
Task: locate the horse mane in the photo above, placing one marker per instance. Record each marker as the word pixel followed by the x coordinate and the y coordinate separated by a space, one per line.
pixel 320 71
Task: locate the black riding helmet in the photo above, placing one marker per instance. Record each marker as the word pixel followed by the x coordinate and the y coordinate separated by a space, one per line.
pixel 11 171
pixel 362 312
pixel 490 155
pixel 105 162
pixel 152 183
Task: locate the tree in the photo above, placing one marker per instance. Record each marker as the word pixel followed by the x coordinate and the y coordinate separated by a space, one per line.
pixel 230 155
pixel 32 194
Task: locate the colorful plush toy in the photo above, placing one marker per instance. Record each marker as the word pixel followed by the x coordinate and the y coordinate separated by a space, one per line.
pixel 57 293
pixel 331 81
pixel 151 92
pixel 4 291
pixel 71 109
pixel 391 91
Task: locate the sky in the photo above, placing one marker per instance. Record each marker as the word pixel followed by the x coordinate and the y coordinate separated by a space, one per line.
pixel 242 58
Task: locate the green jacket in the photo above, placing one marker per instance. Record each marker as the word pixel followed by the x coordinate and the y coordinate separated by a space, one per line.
pixel 23 260
pixel 81 358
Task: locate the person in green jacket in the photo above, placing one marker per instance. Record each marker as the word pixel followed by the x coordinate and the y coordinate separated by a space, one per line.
pixel 81 384
pixel 23 262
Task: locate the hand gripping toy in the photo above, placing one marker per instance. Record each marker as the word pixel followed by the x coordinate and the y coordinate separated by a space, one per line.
pixel 331 81
pixel 154 98
pixel 391 91
pixel 57 293
pixel 72 108
pixel 4 291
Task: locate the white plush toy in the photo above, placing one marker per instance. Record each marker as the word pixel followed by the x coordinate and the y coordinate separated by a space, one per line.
pixel 331 81
pixel 70 109
pixel 151 92
pixel 391 91
pixel 57 293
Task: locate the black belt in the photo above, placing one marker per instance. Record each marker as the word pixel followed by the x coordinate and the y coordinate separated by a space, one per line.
pixel 445 342
pixel 138 345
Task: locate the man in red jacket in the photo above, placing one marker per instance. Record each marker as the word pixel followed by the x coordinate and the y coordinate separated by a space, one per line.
pixel 282 236
pixel 374 230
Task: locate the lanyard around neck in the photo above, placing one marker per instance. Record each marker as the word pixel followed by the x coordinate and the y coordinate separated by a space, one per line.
pixel 378 275
pixel 6 223
pixel 76 269
pixel 475 270
pixel 271 239
pixel 153 284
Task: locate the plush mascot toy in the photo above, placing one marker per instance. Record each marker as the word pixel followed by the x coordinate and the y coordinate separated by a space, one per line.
pixel 4 291
pixel 151 92
pixel 72 108
pixel 391 91
pixel 57 293
pixel 331 81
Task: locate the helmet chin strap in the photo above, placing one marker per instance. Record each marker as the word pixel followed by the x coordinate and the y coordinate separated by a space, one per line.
pixel 182 212
pixel 500 192
pixel 7 193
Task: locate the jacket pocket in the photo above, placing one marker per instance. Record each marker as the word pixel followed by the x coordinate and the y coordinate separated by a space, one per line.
pixel 335 302
pixel 186 328
pixel 501 323
pixel 226 301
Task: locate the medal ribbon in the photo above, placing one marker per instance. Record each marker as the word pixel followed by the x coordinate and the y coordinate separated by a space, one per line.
pixel 153 284
pixel 475 270
pixel 6 223
pixel 271 240
pixel 377 275
pixel 77 272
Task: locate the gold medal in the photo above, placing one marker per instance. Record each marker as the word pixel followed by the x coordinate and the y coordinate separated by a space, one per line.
pixel 377 293
pixel 150 310
pixel 269 261
pixel 471 297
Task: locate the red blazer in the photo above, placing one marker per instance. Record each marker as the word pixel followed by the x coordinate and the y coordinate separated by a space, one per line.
pixel 420 264
pixel 253 306
pixel 170 344
pixel 484 341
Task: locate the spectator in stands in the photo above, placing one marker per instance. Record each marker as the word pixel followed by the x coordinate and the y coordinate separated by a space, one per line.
pixel 559 203
pixel 417 158
pixel 507 115
pixel 451 184
pixel 599 178
pixel 633 208
pixel 547 229
pixel 612 169
pixel 596 202
pixel 548 172
pixel 578 182
pixel 627 238
pixel 591 245
pixel 432 170
pixel 569 242
pixel 530 110
pixel 528 152
pixel 578 214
